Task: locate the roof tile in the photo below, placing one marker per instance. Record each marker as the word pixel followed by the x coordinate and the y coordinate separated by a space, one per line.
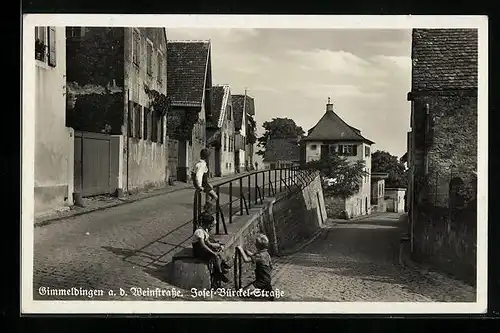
pixel 332 128
pixel 444 59
pixel 238 101
pixel 186 71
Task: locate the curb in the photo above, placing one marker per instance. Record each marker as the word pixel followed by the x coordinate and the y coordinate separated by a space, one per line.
pixel 51 220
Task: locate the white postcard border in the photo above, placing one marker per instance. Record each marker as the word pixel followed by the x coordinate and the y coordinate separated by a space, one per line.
pixel 29 306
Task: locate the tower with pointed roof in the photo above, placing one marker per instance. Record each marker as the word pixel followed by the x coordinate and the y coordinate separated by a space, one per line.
pixel 331 134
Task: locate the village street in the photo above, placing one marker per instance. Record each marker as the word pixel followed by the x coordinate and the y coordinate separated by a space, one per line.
pixel 130 245
pixel 121 247
pixel 357 261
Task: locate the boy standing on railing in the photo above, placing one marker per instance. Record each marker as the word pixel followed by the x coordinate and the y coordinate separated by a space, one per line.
pixel 200 175
pixel 263 264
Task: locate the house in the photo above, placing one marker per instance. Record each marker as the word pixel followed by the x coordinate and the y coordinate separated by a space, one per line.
pixel 220 131
pixel 116 102
pixel 54 141
pixel 378 191
pixel 442 155
pixel 332 134
pixel 281 153
pixel 395 199
pixel 189 68
pixel 243 108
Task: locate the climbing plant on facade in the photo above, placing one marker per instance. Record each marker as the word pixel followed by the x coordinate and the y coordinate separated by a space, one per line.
pixel 160 103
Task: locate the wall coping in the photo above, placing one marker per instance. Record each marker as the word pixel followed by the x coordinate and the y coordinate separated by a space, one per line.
pixel 242 222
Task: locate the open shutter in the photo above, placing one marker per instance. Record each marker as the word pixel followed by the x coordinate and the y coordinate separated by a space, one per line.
pixel 354 150
pixel 52 46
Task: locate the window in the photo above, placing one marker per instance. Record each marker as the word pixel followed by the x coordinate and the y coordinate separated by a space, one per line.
pixel 40 43
pixel 225 142
pixel 229 112
pixel 160 67
pixel 333 149
pixel 160 130
pixel 45 45
pixel 348 150
pixel 137 120
pixel 313 147
pixel 75 32
pixel 367 151
pixel 154 127
pixel 136 48
pixel 149 58
pixel 52 46
pixel 148 125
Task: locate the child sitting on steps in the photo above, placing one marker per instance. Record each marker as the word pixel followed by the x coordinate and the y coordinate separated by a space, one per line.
pixel 206 249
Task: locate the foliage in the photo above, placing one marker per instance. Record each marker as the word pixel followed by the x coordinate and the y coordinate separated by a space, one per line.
pixel 279 128
pixel 180 123
pixel 160 103
pixel 96 59
pixel 347 176
pixel 251 128
pixel 382 161
pixel 101 113
pixel 39 46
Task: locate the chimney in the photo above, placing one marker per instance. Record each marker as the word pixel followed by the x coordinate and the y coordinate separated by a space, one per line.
pixel 329 105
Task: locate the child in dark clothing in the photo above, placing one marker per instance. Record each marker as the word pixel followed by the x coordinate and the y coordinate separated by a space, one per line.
pixel 263 264
pixel 205 248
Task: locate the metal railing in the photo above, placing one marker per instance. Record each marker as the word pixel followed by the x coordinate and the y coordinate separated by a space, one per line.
pixel 239 194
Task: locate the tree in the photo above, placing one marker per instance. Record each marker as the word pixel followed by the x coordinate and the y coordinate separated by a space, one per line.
pixel 341 177
pixel 251 128
pixel 279 128
pixel 382 161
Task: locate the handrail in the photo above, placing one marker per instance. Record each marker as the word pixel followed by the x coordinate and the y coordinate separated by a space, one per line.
pixel 278 180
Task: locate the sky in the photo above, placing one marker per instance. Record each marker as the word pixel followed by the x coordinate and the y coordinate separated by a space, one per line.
pixel 291 73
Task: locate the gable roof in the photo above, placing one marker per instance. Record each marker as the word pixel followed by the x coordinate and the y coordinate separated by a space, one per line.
pixel 238 102
pixel 282 150
pixel 220 99
pixel 332 128
pixel 187 67
pixel 444 59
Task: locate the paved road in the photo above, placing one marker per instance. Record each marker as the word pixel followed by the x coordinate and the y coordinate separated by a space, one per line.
pixel 125 246
pixel 358 261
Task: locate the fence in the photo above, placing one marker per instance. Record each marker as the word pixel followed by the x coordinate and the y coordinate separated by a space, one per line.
pixel 233 192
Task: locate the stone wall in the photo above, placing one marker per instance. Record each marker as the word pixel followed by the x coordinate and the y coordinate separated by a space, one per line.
pixel 444 164
pixel 335 207
pixel 297 216
pixel 287 221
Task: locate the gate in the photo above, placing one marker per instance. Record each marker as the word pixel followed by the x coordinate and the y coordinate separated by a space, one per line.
pixel 173 157
pixel 92 163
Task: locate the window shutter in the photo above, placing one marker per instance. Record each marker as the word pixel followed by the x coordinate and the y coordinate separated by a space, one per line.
pixel 52 46
pixel 354 150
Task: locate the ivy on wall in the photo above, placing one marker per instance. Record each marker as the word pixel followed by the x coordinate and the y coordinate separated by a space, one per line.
pixel 160 103
pixel 100 113
pixel 180 122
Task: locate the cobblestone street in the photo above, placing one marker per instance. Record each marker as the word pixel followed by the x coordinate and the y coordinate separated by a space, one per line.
pixel 358 261
pixel 124 247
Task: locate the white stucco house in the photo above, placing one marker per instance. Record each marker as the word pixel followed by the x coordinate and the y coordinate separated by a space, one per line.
pixel 54 141
pixel 332 134
pixel 220 132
